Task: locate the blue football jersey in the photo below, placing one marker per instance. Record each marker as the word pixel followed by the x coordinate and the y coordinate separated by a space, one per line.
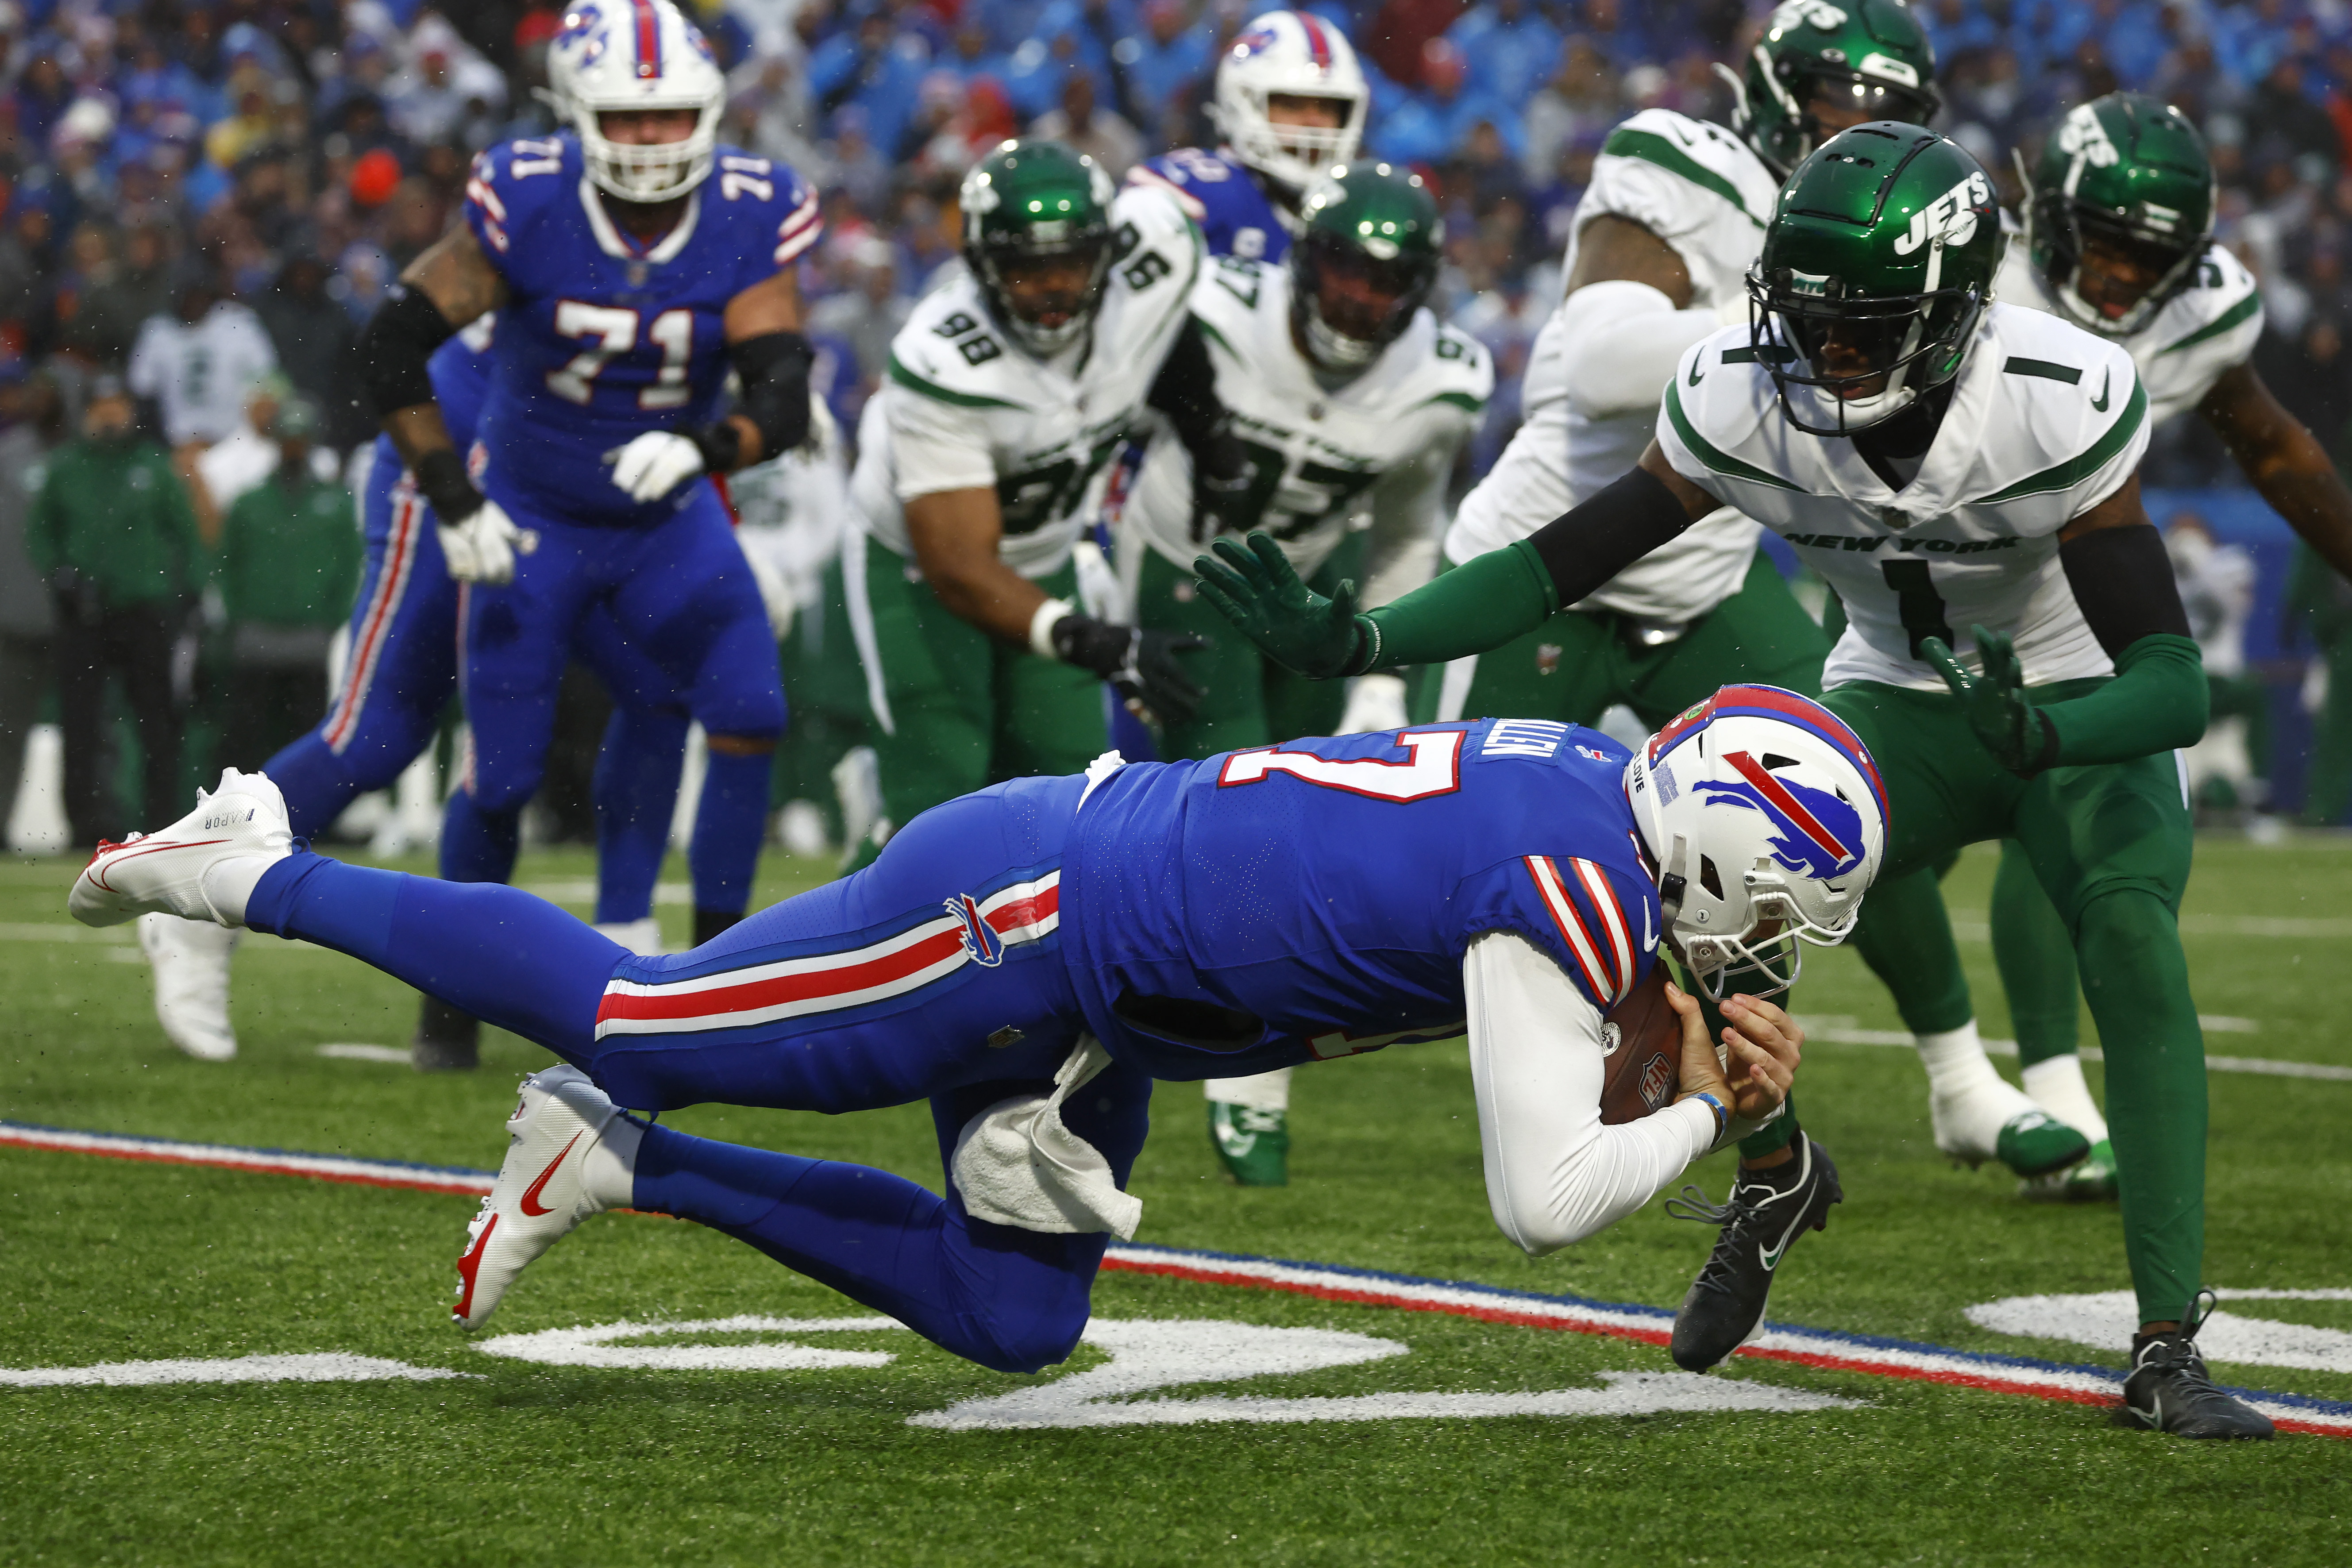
pixel 1219 194
pixel 602 338
pixel 1322 894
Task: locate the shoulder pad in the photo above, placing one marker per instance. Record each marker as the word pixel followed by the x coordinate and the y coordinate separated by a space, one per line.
pixel 1666 171
pixel 768 197
pixel 950 352
pixel 1152 211
pixel 2224 308
pixel 2073 402
pixel 1234 291
pixel 513 183
pixel 1712 408
pixel 1461 364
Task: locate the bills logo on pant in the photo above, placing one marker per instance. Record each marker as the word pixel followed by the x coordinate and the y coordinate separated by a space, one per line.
pixel 979 938
pixel 1820 835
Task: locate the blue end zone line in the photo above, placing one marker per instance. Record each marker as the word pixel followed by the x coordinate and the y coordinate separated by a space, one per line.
pixel 1405 1290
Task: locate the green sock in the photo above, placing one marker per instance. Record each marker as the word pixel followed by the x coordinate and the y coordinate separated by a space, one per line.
pixel 1906 937
pixel 2035 954
pixel 2137 983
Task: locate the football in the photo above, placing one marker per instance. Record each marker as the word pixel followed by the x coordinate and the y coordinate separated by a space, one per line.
pixel 1642 1040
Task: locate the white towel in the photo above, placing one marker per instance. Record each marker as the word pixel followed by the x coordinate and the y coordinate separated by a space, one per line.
pixel 1016 1165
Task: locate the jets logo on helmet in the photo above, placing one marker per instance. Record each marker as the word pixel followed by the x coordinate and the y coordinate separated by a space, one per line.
pixel 1290 55
pixel 622 56
pixel 2085 140
pixel 1869 56
pixel 1950 218
pixel 1766 820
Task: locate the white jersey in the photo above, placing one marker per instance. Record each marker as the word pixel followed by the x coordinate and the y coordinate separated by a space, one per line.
pixel 962 408
pixel 1699 188
pixel 2208 328
pixel 201 374
pixel 1372 453
pixel 2046 420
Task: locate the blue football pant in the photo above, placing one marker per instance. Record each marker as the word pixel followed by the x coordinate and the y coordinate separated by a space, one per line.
pixel 859 994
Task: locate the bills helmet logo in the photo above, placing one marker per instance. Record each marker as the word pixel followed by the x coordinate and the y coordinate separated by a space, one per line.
pixel 583 31
pixel 1820 835
pixel 981 942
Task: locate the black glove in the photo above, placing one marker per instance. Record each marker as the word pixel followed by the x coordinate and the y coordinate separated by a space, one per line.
pixel 1222 480
pixel 1140 665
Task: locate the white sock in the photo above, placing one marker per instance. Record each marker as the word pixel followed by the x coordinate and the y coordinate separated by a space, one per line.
pixel 2057 1087
pixel 1956 1061
pixel 229 882
pixel 1265 1092
pixel 610 1174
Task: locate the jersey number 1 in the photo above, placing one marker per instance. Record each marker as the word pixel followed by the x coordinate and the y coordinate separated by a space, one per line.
pixel 1916 602
pixel 1435 769
pixel 612 330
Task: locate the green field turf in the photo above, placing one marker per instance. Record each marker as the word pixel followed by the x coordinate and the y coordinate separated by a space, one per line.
pixel 107 1260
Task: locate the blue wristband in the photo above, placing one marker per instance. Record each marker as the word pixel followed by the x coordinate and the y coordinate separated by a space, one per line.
pixel 1722 1116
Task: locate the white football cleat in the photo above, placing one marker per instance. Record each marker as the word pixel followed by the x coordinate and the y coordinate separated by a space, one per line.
pixel 571 1155
pixel 164 873
pixel 191 963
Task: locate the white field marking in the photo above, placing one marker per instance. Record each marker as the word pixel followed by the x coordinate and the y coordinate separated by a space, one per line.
pixel 1832 1030
pixel 1145 1355
pixel 2107 1319
pixel 264 1162
pixel 327 1366
pixel 344 1052
pixel 592 1346
pixel 1971 925
pixel 581 890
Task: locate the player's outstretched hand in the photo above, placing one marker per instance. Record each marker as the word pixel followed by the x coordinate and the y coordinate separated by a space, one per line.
pixel 480 546
pixel 1761 1045
pixel 2018 738
pixel 655 464
pixel 1253 585
pixel 1140 665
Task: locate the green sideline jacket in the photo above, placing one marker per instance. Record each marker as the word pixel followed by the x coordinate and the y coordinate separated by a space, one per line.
pixel 117 515
pixel 289 555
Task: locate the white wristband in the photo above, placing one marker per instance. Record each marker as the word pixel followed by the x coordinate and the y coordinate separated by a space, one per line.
pixel 1041 627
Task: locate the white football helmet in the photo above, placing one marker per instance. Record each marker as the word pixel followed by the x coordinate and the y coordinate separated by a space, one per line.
pixel 1293 53
pixel 1766 821
pixel 636 54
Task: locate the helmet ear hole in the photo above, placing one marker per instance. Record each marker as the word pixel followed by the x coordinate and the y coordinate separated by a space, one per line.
pixel 1707 877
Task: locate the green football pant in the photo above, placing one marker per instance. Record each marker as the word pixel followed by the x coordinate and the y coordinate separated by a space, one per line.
pixel 1578 664
pixel 2110 846
pixel 1250 701
pixel 956 710
pixel 826 688
pixel 2327 786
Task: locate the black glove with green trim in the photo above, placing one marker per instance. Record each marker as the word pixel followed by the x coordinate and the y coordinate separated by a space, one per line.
pixel 2011 729
pixel 1253 586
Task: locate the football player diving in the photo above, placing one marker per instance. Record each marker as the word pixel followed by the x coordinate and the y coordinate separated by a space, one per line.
pixel 1032 958
pixel 1945 462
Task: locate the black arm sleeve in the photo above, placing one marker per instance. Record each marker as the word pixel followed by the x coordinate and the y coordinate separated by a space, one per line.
pixel 774 368
pixel 1601 537
pixel 1186 389
pixel 395 346
pixel 2122 580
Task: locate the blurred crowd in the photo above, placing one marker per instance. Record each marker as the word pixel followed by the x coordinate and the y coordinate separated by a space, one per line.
pixel 202 200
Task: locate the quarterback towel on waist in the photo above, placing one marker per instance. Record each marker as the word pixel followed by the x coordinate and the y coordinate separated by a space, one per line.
pixel 1017 1164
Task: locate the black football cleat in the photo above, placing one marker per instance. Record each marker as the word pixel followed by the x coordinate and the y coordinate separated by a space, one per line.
pixel 2169 1390
pixel 1761 1222
pixel 447 1040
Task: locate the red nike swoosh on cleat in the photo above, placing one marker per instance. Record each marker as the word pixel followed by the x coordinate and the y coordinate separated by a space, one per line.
pixel 97 876
pixel 530 1204
pixel 470 1266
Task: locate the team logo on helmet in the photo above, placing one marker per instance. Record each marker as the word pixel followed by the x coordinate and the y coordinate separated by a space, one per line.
pixel 583 34
pixel 981 942
pixel 1950 218
pixel 2082 136
pixel 1818 833
pixel 1805 13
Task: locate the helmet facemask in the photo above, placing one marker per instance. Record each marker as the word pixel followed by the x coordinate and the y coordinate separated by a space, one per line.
pixel 649 172
pixel 1055 270
pixel 1786 127
pixel 2068 234
pixel 1349 302
pixel 1844 363
pixel 1292 156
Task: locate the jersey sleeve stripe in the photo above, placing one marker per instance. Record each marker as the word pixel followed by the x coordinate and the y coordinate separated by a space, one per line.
pixel 1599 984
pixel 2075 469
pixel 1461 400
pixel 1651 148
pixel 799 231
pixel 1721 462
pixel 1597 888
pixel 913 383
pixel 1191 204
pixel 2249 306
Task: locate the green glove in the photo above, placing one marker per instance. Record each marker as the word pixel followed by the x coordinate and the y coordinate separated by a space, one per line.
pixel 1292 625
pixel 2017 735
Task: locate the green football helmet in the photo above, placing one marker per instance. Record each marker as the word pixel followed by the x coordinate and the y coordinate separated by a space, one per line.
pixel 1870 52
pixel 1367 255
pixel 2127 178
pixel 1877 268
pixel 1036 233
